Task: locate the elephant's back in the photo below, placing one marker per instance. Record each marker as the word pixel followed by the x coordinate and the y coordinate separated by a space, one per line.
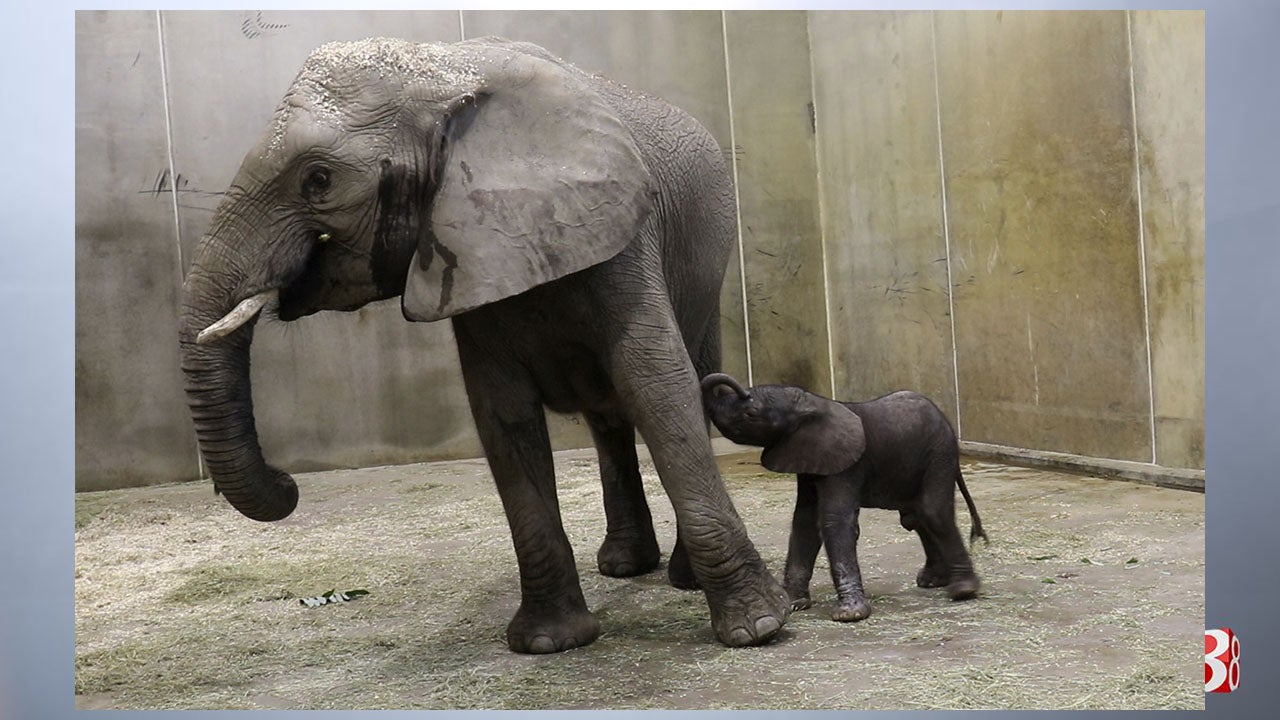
pixel 695 209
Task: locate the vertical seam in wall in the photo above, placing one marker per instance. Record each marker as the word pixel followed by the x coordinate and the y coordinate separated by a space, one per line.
pixel 737 200
pixel 1142 233
pixel 462 28
pixel 946 224
pixel 173 180
pixel 822 211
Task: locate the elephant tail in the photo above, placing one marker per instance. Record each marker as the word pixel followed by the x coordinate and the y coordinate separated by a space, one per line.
pixel 976 531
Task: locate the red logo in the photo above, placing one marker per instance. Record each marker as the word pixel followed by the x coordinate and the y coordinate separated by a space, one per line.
pixel 1221 661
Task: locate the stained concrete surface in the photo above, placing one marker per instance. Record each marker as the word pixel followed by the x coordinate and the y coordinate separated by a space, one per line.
pixel 131 417
pixel 1037 141
pixel 1168 81
pixel 1093 597
pixel 776 171
pixel 877 124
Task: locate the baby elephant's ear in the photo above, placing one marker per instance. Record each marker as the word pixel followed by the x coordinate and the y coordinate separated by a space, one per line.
pixel 826 442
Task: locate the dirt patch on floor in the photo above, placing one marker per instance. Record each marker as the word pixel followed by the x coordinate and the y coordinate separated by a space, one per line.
pixel 1093 598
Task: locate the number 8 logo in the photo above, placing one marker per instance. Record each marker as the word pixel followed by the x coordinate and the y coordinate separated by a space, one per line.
pixel 1221 676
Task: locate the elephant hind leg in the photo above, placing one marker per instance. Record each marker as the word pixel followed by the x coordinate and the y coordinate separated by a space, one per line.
pixel 935 573
pixel 630 546
pixel 937 516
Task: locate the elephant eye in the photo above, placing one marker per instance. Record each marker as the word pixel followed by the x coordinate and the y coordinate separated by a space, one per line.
pixel 316 182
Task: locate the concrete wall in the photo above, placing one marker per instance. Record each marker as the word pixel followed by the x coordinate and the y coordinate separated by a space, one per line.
pixel 881 159
pixel 776 171
pixel 1047 169
pixel 131 415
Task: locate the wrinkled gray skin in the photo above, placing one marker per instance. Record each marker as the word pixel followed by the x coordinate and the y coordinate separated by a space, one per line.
pixel 576 234
pixel 897 452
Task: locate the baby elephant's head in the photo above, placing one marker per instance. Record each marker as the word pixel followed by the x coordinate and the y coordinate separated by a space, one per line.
pixel 801 432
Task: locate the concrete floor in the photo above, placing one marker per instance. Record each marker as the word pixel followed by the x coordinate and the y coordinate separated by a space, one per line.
pixel 1093 598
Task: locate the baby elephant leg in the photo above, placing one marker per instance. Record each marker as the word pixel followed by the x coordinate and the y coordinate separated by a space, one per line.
pixel 802 549
pixel 838 510
pixel 934 574
pixel 937 517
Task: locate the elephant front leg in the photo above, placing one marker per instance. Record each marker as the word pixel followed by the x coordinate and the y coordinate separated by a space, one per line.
pixel 804 543
pixel 630 546
pixel 655 380
pixel 838 509
pixel 553 614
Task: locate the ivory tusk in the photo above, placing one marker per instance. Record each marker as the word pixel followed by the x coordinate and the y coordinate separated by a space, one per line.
pixel 237 317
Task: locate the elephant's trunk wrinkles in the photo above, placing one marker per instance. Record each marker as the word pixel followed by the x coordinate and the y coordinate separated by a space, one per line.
pixel 221 404
pixel 713 380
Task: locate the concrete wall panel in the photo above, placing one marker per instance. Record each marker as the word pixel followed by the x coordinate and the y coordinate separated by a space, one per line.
pixel 131 419
pixel 772 99
pixel 1039 155
pixel 882 205
pixel 1168 73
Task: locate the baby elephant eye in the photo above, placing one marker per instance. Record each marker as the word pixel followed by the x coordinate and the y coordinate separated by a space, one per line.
pixel 316 182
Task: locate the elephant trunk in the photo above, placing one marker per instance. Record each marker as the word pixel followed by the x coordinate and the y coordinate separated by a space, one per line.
pixel 220 398
pixel 714 380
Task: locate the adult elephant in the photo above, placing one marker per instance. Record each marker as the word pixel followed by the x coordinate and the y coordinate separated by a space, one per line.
pixel 576 233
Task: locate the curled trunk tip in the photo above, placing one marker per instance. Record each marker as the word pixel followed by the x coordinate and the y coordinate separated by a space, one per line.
pixel 714 380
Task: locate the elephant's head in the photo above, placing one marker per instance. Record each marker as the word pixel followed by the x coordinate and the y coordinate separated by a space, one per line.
pixel 451 175
pixel 800 432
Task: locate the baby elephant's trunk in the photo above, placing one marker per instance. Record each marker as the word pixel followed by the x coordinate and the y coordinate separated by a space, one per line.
pixel 712 381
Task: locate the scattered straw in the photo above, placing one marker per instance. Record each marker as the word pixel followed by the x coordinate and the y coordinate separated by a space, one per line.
pixel 181 603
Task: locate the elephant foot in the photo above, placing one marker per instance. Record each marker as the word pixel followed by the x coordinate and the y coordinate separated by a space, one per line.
pixel 680 571
pixel 851 610
pixel 930 577
pixel 753 615
pixel 549 631
pixel 963 588
pixel 627 554
pixel 800 602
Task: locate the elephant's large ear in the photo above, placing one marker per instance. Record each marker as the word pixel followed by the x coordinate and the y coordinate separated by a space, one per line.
pixel 826 441
pixel 540 179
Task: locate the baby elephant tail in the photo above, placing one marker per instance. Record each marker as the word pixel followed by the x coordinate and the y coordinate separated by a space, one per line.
pixel 976 531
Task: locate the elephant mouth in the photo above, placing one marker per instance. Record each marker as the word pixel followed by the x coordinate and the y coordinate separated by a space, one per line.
pixel 242 313
pixel 291 300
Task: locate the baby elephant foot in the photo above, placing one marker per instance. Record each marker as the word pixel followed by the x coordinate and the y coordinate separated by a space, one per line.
pixel 626 554
pixel 799 601
pixel 549 631
pixel 963 588
pixel 851 610
pixel 931 577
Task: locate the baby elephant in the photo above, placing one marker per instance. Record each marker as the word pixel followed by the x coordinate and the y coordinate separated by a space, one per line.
pixel 897 452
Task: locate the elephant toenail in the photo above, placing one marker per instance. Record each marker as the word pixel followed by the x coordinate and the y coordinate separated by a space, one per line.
pixel 767 626
pixel 542 644
pixel 739 637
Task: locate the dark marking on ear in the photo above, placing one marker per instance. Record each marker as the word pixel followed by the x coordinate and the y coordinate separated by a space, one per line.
pixel 446 281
